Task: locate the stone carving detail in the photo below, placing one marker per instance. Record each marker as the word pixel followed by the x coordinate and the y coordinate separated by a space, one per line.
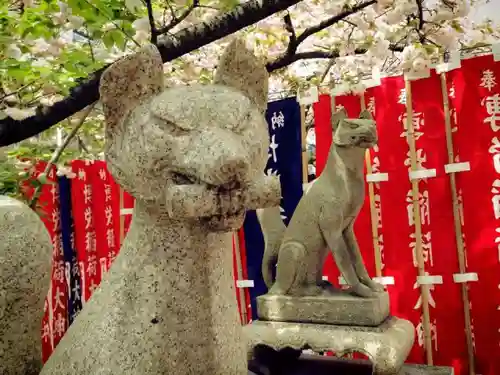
pixel 25 269
pixel 324 219
pixel 387 346
pixel 193 158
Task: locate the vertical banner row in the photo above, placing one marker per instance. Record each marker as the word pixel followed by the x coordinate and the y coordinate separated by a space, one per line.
pixel 285 161
pixel 474 98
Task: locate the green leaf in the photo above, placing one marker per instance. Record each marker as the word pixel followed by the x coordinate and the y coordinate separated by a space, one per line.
pixel 108 40
pixel 119 38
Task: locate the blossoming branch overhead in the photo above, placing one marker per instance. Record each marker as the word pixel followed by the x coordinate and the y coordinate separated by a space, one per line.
pixel 359 35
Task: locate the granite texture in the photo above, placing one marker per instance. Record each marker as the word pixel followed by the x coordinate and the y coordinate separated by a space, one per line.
pixel 277 364
pixel 387 346
pixel 25 268
pixel 193 158
pixel 345 309
pixel 323 220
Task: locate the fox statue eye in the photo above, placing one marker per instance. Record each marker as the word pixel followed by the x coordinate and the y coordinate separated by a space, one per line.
pixel 354 126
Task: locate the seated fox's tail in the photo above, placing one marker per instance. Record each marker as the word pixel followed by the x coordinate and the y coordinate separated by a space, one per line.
pixel 273 230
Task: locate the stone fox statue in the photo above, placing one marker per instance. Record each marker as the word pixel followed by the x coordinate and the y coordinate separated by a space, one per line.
pixel 193 157
pixel 323 219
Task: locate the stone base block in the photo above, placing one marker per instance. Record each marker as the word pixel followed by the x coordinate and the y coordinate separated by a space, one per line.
pixel 341 309
pixel 387 346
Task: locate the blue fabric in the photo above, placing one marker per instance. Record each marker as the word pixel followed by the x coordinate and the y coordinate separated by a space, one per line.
pixel 70 259
pixel 285 160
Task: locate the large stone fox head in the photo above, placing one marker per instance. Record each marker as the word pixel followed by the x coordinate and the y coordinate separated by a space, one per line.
pixel 195 152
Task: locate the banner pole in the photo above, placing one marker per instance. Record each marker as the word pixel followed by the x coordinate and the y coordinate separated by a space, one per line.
pixel 458 226
pixel 122 217
pixel 239 276
pixel 418 224
pixel 303 135
pixel 373 209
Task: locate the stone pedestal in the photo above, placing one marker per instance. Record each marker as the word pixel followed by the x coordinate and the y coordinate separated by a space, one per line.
pixel 387 345
pixel 341 309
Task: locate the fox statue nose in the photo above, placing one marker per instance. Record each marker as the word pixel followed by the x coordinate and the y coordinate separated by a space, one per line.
pixel 233 168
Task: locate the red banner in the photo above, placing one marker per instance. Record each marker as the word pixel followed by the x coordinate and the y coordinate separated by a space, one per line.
pixel 54 321
pixel 438 235
pixel 96 214
pixel 323 130
pixel 397 215
pixel 475 98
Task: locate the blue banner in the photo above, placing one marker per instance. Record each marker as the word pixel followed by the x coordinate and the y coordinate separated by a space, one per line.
pixel 70 259
pixel 285 161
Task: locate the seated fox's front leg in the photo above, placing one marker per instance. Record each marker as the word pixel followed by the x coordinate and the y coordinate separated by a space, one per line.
pixel 291 274
pixel 332 233
pixel 347 268
pixel 357 260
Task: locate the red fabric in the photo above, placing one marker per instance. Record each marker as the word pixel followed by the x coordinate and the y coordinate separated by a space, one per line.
pixel 106 209
pixel 243 304
pixel 54 321
pixel 396 213
pixel 449 344
pixel 239 302
pixel 364 227
pixel 243 255
pixel 95 205
pixel 323 131
pixel 475 91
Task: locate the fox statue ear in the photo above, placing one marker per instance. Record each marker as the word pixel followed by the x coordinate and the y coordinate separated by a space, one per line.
pixel 127 82
pixel 338 116
pixel 365 115
pixel 239 68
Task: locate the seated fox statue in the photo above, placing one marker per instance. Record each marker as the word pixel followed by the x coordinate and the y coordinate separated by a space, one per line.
pixel 193 157
pixel 324 218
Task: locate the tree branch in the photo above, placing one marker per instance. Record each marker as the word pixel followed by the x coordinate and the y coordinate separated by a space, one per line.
pixel 290 54
pixel 172 47
pixel 154 32
pixel 3 97
pixel 333 20
pixel 289 28
pixel 177 20
pixel 281 63
pixel 420 14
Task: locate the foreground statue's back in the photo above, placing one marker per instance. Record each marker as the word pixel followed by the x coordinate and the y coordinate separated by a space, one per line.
pixel 193 158
pixel 25 268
